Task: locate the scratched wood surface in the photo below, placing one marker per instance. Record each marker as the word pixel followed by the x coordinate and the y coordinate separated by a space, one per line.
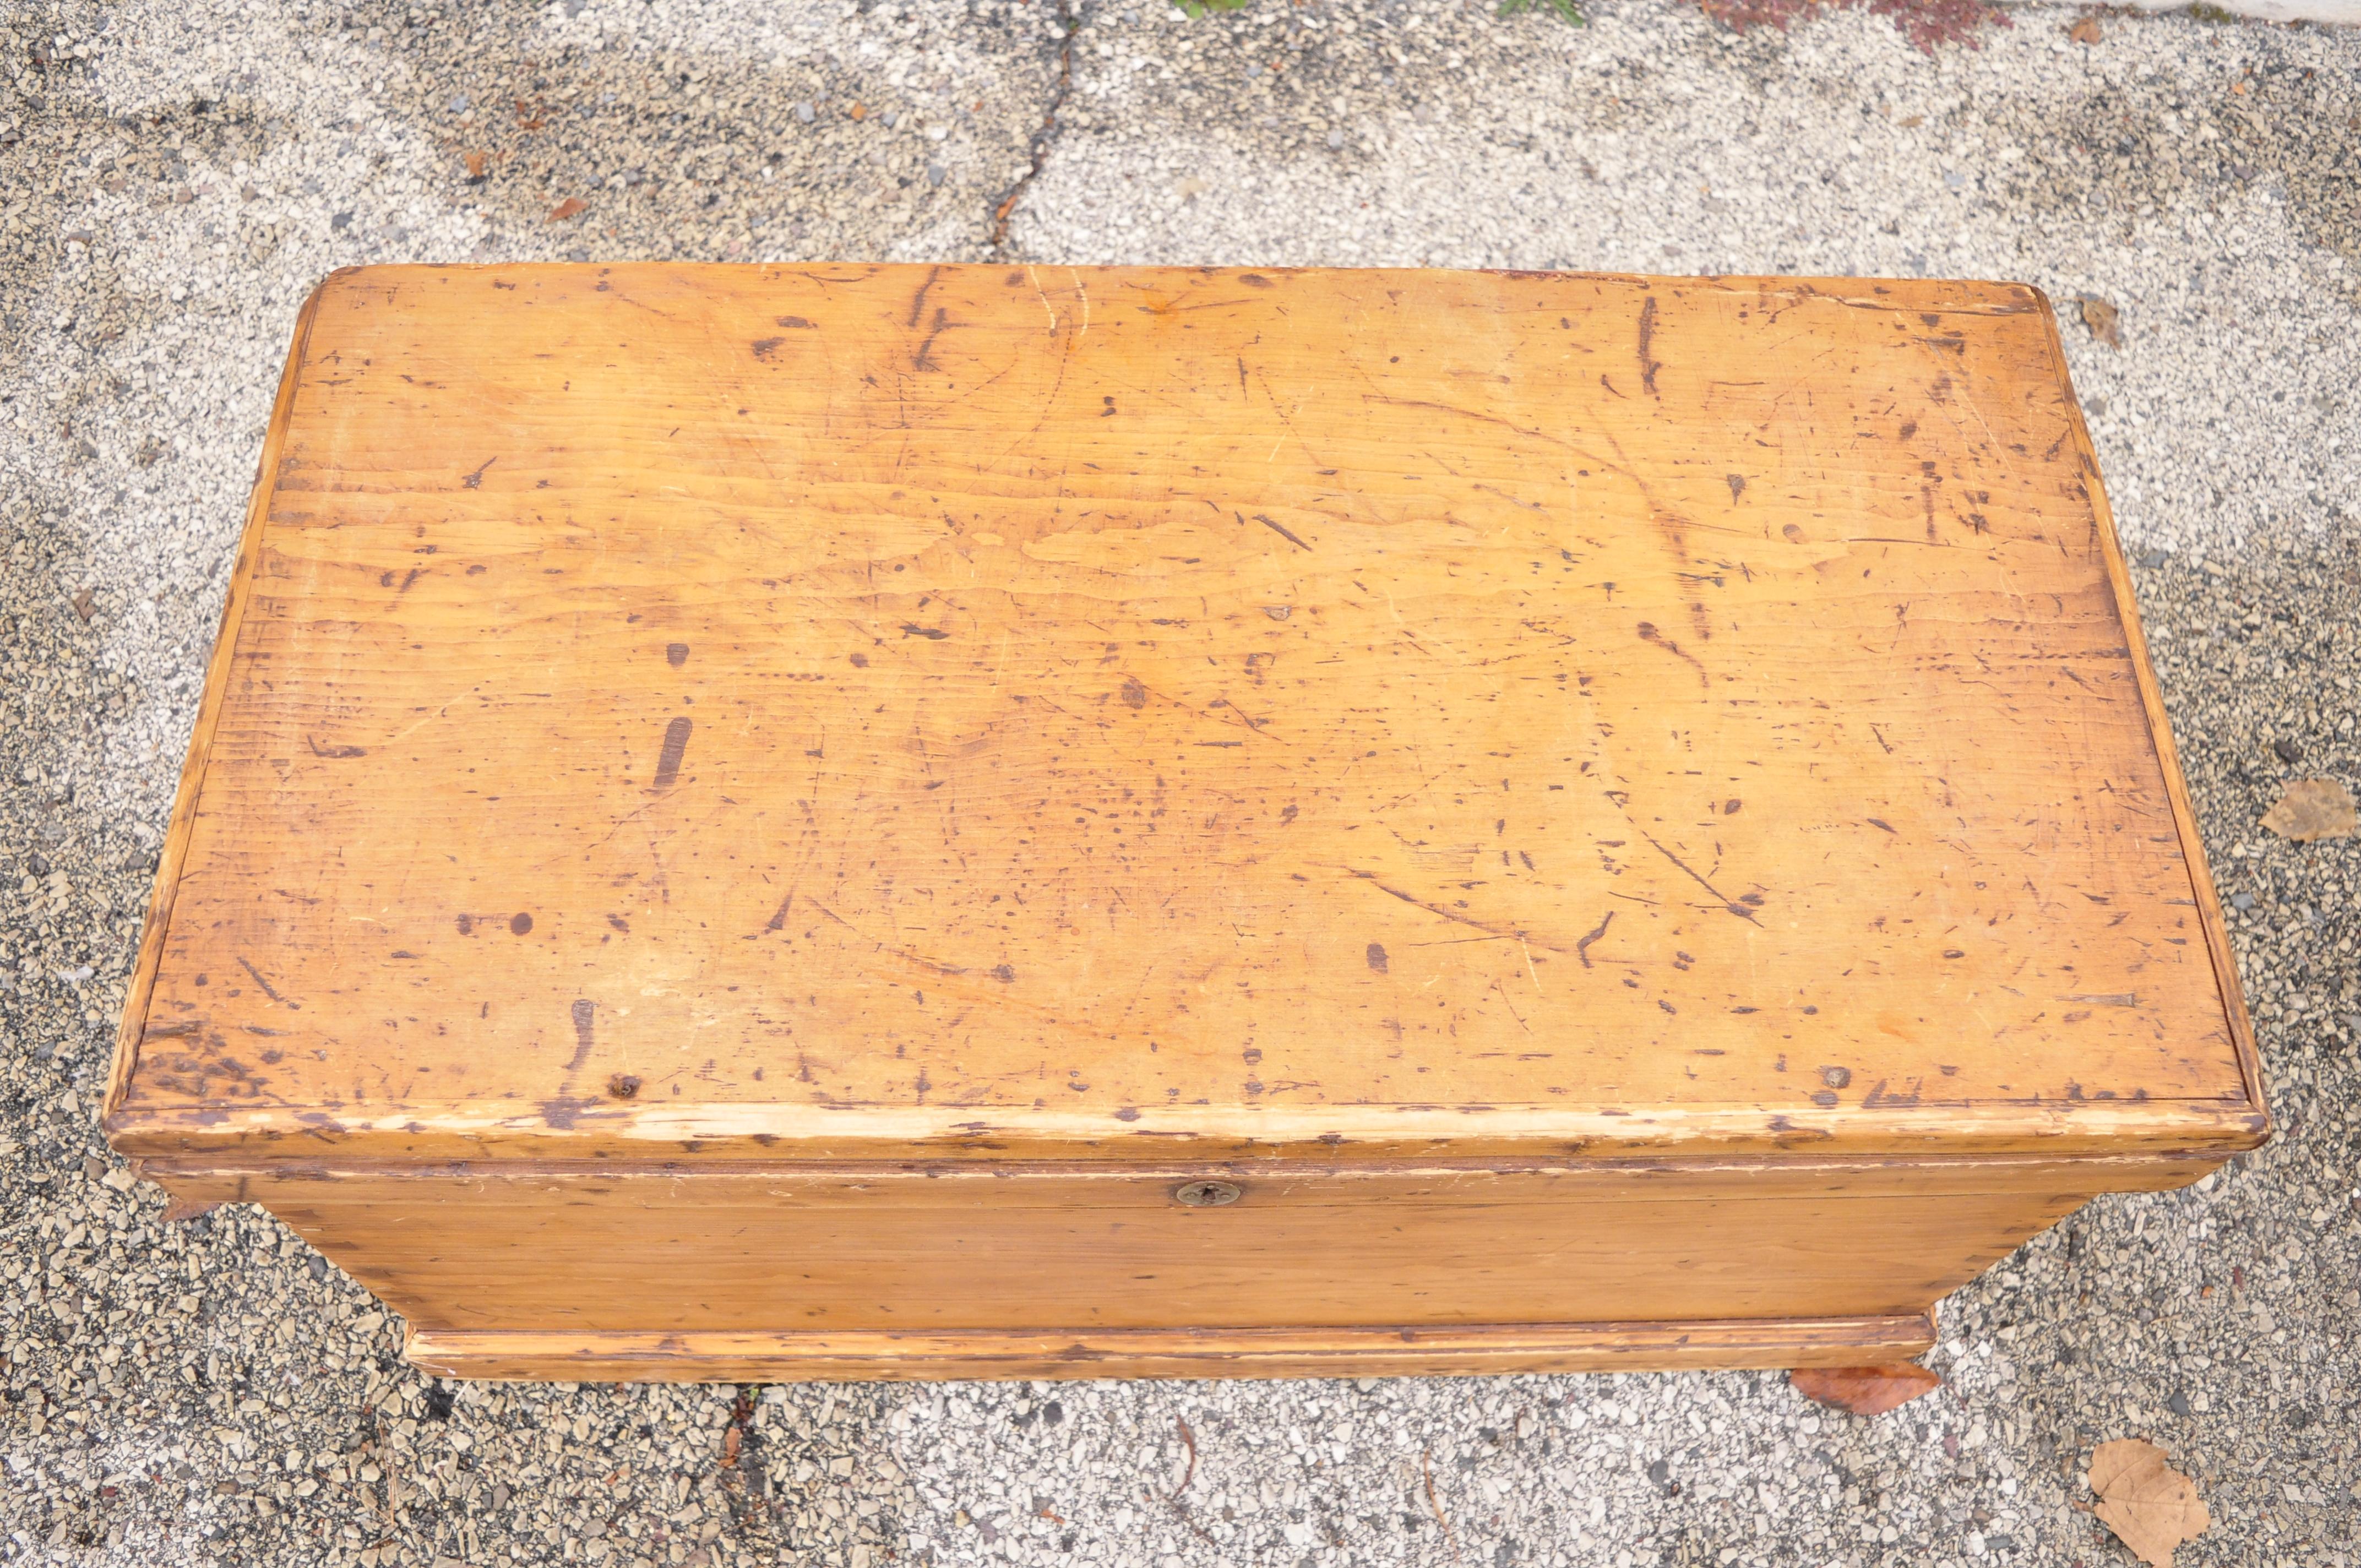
pixel 716 712
pixel 1077 1246
pixel 853 1356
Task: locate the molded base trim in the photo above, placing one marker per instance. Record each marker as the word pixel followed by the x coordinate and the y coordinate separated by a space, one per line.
pixel 860 1355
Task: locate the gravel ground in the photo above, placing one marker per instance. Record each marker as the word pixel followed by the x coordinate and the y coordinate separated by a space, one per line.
pixel 175 177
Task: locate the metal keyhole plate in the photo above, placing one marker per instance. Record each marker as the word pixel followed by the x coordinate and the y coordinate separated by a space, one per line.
pixel 1205 1194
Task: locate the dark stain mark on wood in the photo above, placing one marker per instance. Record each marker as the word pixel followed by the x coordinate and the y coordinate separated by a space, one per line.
pixel 924 359
pixel 1453 915
pixel 266 990
pixel 779 916
pixel 622 1086
pixel 521 924
pixel 675 654
pixel 1648 633
pixel 1004 973
pixel 675 747
pixel 466 923
pixel 1881 822
pixel 931 633
pixel 918 300
pixel 586 1012
pixel 560 1112
pixel 320 751
pixel 1377 957
pixel 1733 906
pixel 766 347
pixel 1737 487
pixel 1282 532
pixel 1582 947
pixel 1648 365
pixel 1837 1077
pixel 1134 695
pixel 795 323
pixel 475 481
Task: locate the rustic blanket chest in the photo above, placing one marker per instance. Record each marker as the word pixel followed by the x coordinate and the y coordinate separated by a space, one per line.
pixel 891 821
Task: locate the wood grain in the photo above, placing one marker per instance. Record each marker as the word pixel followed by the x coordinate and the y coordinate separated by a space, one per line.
pixel 885 1355
pixel 1074 1246
pixel 977 709
pixel 172 858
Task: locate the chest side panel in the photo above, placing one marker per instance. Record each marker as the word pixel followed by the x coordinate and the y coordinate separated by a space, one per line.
pixel 1046 1249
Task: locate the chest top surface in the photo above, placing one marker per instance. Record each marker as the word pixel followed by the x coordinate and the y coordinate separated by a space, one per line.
pixel 726 712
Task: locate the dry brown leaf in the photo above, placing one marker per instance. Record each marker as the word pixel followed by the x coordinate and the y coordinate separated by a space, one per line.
pixel 83 603
pixel 2104 321
pixel 1865 1390
pixel 475 161
pixel 2311 809
pixel 2151 1506
pixel 2085 31
pixel 566 209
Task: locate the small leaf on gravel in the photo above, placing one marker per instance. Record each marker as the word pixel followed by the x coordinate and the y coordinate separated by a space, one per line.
pixel 1865 1390
pixel 566 209
pixel 2085 31
pixel 2104 321
pixel 2151 1506
pixel 81 604
pixel 2311 809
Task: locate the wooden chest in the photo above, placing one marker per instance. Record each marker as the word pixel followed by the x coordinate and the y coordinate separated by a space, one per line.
pixel 890 821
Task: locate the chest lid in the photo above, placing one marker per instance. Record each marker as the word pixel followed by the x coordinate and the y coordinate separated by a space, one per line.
pixel 704 712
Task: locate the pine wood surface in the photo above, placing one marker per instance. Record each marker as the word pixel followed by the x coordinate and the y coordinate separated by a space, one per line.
pixel 892 1354
pixel 1075 1246
pixel 704 714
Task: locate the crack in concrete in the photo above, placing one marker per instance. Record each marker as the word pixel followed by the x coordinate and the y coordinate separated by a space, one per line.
pixel 1068 23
